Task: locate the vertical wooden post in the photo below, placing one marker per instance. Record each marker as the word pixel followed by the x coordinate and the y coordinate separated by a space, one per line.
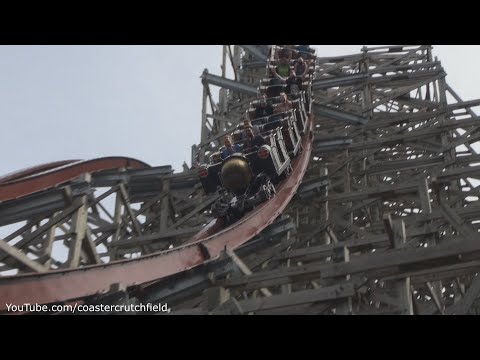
pixel 402 287
pixel 79 228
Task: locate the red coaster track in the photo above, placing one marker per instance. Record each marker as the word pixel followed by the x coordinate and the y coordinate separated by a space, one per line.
pixel 63 285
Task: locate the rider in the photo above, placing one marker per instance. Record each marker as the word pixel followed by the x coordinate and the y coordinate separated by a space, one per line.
pixel 230 147
pixel 252 141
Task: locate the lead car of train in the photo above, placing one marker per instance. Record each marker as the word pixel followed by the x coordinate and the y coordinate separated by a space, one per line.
pixel 249 177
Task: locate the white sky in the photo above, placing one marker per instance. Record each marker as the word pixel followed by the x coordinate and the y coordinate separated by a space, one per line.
pixel 84 102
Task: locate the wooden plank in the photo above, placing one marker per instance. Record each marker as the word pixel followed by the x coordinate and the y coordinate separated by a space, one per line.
pixel 317 252
pixel 376 192
pixel 96 220
pixel 194 212
pixel 404 90
pixel 164 206
pixel 298 298
pixel 401 165
pixel 117 217
pixel 458 223
pixel 403 257
pixel 306 309
pixel 371 263
pixel 48 246
pixel 407 56
pixel 244 269
pixel 216 296
pixel 287 288
pixel 21 257
pixel 154 238
pixel 90 248
pixel 402 286
pixel 389 141
pixel 435 272
pixel 384 68
pixel 79 228
pixel 448 276
pixel 435 297
pixel 151 202
pixel 345 307
pixel 388 297
pixel 55 220
pixel 388 223
pixel 462 307
pixel 20 231
pixel 424 196
pixel 272 252
pixel 434 288
pixel 126 203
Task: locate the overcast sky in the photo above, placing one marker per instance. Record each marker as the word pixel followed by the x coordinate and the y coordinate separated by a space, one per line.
pixel 84 102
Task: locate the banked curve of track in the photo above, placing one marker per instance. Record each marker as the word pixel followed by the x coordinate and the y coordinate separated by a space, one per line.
pixel 74 284
pixel 39 178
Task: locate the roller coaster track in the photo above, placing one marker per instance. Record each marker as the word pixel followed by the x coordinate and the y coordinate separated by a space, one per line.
pixel 17 175
pixel 379 216
pixel 47 176
pixel 74 284
pixel 59 286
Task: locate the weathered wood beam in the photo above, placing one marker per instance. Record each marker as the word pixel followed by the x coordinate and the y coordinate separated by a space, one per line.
pixel 126 203
pixel 403 286
pixel 341 291
pixel 192 213
pixel 420 257
pixel 462 307
pixel 19 256
pixel 79 228
pixel 244 269
pixel 55 220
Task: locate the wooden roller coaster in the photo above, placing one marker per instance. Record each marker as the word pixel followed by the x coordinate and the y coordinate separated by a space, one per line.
pixel 378 213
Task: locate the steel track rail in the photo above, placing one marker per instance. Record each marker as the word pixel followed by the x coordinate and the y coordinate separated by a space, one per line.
pixel 17 175
pixel 43 177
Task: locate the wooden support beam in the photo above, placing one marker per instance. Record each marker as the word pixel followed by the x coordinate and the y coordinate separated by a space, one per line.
pixel 462 307
pixel 41 230
pixel 335 292
pixel 434 273
pixel 435 288
pixel 164 206
pixel 460 286
pixel 435 297
pixel 402 286
pixel 148 204
pixel 22 230
pixel 48 245
pixel 345 307
pixel 272 252
pixel 443 254
pixel 244 269
pixel 387 221
pixel 458 223
pixel 424 196
pixel 194 212
pixel 117 222
pixel 79 228
pixel 379 241
pixel 404 90
pixel 155 238
pixel 216 296
pixel 126 203
pixel 21 257
pixel 90 248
